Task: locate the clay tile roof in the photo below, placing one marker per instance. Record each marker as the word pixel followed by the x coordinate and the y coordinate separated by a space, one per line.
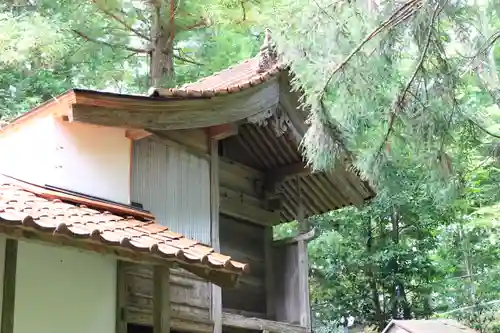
pixel 249 73
pixel 430 325
pixel 27 206
pixel 233 79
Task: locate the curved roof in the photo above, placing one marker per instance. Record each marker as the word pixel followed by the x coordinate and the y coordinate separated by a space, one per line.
pixel 233 79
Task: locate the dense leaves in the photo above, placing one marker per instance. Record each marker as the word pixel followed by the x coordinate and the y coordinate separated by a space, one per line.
pixel 405 79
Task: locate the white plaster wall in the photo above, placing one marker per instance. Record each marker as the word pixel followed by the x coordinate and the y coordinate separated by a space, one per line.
pixel 93 160
pixel 90 159
pixel 60 290
pixel 27 150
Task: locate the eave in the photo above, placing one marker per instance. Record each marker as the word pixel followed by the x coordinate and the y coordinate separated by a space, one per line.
pixel 171 113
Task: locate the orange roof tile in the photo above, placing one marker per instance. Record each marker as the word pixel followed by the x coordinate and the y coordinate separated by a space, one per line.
pixel 29 206
pixel 429 325
pixel 233 79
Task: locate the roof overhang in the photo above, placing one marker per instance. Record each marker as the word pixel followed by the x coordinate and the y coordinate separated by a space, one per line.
pixel 32 212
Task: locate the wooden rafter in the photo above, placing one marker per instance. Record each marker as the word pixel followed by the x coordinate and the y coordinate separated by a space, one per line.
pixel 279 175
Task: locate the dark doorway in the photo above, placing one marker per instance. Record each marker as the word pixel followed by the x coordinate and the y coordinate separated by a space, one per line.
pixel 132 328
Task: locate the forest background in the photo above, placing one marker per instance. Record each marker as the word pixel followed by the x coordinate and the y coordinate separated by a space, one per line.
pixel 411 88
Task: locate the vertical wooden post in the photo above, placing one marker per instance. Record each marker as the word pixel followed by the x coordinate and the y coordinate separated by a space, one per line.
pixel 9 286
pixel 121 298
pixel 270 287
pixel 303 264
pixel 161 299
pixel 216 292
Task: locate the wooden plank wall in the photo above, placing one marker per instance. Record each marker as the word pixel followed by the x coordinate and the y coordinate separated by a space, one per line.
pixel 286 282
pixel 189 295
pixel 244 242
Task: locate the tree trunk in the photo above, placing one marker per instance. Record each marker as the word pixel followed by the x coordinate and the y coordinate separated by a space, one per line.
pixel 379 317
pixel 400 301
pixel 161 71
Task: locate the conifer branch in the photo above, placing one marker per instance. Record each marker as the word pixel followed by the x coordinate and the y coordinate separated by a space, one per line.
pixel 399 102
pixel 484 129
pixel 400 15
pixel 97 41
pixel 121 21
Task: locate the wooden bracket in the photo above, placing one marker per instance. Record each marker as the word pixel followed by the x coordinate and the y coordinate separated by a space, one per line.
pixel 281 174
pixel 136 134
pixel 307 237
pixel 222 132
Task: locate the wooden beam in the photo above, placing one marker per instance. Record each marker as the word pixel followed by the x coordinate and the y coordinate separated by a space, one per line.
pixel 307 237
pixel 179 323
pixel 290 101
pixel 281 174
pixel 222 132
pixel 9 286
pixel 161 299
pixel 215 291
pixel 172 114
pixel 258 324
pixel 121 298
pixel 136 134
pixel 237 209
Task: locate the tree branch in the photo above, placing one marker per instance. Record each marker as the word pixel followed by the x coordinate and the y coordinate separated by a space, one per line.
pixel 484 129
pixel 121 21
pixel 401 98
pixel 244 10
pixel 178 57
pixel 202 23
pixel 97 41
pixel 404 12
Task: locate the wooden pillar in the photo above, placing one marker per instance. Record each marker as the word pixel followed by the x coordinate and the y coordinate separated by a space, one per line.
pixel 121 298
pixel 303 263
pixel 270 287
pixel 161 299
pixel 9 286
pixel 216 292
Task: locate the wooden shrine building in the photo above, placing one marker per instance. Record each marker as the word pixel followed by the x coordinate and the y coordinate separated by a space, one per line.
pixel 216 161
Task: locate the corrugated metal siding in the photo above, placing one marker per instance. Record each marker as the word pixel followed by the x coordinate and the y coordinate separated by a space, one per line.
pixel 174 185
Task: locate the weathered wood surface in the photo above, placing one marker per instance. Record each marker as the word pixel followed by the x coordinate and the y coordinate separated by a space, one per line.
pixel 291 284
pixel 286 281
pixel 161 299
pixel 9 286
pixel 215 291
pixel 244 242
pixel 241 187
pixel 162 114
pixel 189 296
pixel 242 194
pixel 121 298
pixel 258 324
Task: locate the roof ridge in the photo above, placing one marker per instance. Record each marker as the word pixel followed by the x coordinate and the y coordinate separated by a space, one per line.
pixel 218 72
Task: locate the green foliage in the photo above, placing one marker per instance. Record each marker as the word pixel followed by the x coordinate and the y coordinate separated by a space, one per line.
pixel 52 46
pixel 396 83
